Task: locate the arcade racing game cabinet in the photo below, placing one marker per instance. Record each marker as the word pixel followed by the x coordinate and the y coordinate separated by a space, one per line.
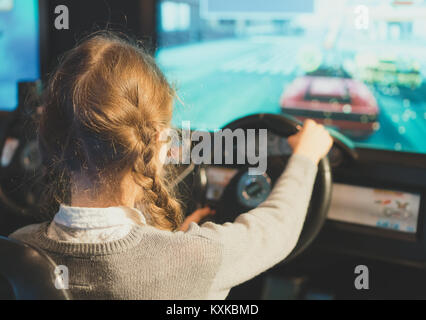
pixel 266 65
pixel 245 64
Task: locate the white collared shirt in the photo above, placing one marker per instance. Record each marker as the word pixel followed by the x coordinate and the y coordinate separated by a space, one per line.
pixel 93 225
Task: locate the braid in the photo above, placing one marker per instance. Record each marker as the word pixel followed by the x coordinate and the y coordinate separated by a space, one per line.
pixel 164 210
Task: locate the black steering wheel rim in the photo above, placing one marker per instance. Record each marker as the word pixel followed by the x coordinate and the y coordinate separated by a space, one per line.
pixel 321 196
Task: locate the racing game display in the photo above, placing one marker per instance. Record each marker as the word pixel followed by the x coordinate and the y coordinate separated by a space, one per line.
pixel 19 48
pixel 356 66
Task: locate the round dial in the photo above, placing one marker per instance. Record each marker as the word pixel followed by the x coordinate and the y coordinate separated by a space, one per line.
pixel 252 190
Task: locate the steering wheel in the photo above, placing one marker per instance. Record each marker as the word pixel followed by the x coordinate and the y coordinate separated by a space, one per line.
pixel 240 194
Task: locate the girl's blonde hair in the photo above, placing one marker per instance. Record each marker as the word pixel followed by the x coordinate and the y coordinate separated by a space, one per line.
pixel 104 109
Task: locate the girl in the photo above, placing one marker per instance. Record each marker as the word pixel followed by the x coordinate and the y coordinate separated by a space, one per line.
pixel 104 109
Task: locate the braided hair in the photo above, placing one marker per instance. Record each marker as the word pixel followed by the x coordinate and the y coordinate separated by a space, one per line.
pixel 104 109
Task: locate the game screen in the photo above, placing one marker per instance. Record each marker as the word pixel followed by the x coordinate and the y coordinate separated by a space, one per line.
pixel 356 66
pixel 19 48
pixel 388 209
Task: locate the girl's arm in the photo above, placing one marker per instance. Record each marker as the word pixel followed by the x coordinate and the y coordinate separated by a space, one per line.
pixel 261 238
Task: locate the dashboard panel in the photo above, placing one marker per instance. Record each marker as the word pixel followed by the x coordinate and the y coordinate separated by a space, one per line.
pixel 393 210
pixel 398 233
pixel 278 146
pixel 378 203
pixel 217 180
pixel 381 208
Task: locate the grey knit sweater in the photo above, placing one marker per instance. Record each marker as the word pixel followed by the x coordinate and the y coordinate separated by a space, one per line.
pixel 203 263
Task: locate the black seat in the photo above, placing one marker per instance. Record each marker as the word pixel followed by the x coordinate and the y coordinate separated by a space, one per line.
pixel 29 272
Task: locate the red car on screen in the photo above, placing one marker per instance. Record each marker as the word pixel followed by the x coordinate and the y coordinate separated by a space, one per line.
pixel 340 102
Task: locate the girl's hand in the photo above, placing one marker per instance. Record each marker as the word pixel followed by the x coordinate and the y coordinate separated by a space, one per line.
pixel 196 217
pixel 312 141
